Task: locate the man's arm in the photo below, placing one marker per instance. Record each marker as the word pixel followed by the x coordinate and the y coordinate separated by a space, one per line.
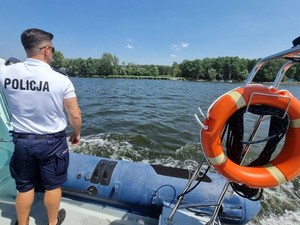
pixel 74 116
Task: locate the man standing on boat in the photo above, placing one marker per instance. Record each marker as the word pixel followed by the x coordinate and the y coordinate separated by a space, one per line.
pixel 37 97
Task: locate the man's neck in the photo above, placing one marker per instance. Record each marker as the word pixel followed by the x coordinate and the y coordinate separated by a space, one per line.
pixel 38 57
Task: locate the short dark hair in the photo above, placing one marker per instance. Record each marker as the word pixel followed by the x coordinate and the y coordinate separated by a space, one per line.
pixel 31 38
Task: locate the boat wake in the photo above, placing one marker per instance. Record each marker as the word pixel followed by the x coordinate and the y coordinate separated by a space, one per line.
pixel 280 204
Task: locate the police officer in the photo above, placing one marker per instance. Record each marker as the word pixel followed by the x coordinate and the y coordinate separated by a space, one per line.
pixel 37 97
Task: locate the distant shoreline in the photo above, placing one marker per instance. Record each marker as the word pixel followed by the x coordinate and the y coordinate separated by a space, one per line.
pixel 179 79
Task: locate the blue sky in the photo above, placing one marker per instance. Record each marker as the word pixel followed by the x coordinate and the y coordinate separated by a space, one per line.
pixel 154 31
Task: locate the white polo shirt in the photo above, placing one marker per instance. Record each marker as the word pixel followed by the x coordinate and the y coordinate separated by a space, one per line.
pixel 35 94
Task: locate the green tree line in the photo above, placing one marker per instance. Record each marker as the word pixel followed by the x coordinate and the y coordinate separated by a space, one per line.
pixel 208 69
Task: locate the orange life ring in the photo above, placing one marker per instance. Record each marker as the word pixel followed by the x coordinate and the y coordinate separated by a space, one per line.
pixel 284 167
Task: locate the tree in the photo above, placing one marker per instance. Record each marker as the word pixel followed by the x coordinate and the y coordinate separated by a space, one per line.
pixel 175 70
pixel 153 70
pixel 211 74
pixel 57 61
pixel 91 65
pixel 164 70
pixel 297 72
pixel 269 71
pixel 207 65
pixel 74 67
pixel 191 69
pixel 108 64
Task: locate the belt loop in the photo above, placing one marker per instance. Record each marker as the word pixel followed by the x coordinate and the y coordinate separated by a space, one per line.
pixel 14 134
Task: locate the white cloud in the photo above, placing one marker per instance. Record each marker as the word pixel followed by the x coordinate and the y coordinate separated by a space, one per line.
pixel 179 46
pixel 184 44
pixel 176 47
pixel 129 43
pixel 174 56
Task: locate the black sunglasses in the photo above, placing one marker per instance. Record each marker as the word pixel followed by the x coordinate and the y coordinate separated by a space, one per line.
pixel 52 48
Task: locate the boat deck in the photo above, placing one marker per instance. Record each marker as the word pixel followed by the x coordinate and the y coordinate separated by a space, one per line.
pixel 78 213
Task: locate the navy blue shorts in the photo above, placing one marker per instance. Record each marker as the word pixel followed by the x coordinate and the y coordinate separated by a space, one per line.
pixel 39 161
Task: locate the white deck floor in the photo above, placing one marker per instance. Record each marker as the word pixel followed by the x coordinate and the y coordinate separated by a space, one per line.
pixel 78 213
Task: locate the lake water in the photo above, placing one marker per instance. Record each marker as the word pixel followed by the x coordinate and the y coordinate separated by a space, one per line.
pixel 153 121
